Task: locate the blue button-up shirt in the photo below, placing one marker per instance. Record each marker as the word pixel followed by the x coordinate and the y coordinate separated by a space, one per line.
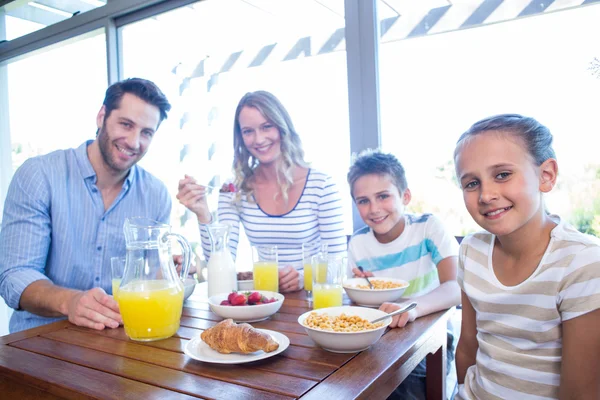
pixel 55 226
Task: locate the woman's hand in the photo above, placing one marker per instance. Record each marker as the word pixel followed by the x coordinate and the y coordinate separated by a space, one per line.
pixel 398 321
pixel 360 274
pixel 289 279
pixel 193 196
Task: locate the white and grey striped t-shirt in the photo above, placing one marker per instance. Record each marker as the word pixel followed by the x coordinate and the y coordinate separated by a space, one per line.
pixel 519 327
pixel 317 217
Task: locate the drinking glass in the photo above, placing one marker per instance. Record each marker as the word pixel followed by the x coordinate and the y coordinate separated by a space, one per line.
pixel 117 266
pixel 327 278
pixel 266 268
pixel 309 250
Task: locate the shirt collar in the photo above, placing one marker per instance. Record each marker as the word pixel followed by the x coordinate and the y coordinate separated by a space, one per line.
pixel 87 171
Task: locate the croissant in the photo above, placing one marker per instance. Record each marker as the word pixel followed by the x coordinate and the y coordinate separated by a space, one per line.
pixel 228 337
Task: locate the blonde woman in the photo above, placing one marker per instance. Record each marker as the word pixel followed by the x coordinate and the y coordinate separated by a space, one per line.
pixel 278 198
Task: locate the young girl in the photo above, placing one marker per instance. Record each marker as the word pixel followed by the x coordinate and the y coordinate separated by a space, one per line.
pixel 530 281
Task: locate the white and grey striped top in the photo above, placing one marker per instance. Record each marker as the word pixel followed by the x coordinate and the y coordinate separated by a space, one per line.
pixel 519 327
pixel 317 217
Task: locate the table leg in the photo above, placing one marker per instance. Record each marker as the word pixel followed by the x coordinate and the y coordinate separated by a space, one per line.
pixel 436 373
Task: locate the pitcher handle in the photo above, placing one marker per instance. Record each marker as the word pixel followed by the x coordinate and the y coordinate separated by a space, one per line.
pixel 187 253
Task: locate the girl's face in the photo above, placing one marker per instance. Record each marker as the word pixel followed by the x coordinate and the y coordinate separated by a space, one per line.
pixel 261 137
pixel 500 182
pixel 381 205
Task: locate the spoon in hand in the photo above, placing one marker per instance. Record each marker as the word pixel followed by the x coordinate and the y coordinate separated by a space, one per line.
pixel 404 309
pixel 366 277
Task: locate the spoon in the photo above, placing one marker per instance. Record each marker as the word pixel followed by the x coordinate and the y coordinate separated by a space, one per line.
pixel 366 277
pixel 404 309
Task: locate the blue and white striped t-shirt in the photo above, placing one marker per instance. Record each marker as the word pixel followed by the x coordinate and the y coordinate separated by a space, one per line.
pixel 413 256
pixel 55 226
pixel 317 217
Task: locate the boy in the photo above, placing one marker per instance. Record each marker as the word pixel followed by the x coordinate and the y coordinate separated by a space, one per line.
pixel 415 248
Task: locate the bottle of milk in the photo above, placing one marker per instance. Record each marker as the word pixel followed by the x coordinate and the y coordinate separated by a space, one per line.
pixel 222 277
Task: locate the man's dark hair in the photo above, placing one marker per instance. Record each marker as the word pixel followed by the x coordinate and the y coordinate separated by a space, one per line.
pixel 142 88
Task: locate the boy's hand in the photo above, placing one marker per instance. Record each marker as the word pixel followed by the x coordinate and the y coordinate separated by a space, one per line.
pixel 360 274
pixel 398 321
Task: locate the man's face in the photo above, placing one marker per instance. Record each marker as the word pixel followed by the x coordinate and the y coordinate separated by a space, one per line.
pixel 125 136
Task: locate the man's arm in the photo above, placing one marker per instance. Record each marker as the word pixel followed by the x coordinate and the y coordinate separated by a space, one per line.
pixel 466 350
pixel 92 308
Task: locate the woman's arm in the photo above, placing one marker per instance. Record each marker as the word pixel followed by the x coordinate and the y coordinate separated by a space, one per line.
pixel 441 298
pixel 580 368
pixel 466 350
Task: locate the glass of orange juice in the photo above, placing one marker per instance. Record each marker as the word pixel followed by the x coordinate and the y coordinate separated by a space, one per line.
pixel 266 268
pixel 327 280
pixel 117 267
pixel 309 250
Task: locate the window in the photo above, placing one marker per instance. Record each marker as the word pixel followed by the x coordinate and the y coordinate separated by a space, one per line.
pixel 54 96
pixel 206 56
pixel 438 78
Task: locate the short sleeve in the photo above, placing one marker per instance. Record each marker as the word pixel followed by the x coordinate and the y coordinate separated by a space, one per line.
pixel 579 291
pixel 444 244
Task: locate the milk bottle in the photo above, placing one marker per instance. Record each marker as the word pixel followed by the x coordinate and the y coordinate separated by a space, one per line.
pixel 222 277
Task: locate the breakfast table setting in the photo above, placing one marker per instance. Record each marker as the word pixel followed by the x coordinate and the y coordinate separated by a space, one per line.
pixel 61 360
pixel 229 336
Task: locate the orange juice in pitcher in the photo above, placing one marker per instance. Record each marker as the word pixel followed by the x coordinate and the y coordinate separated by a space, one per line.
pixel 150 296
pixel 151 309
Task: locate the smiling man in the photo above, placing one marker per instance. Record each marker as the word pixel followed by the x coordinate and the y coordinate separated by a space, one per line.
pixel 64 214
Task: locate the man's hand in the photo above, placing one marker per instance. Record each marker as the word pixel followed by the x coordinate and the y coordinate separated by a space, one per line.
pixel 178 261
pixel 398 321
pixel 289 279
pixel 360 274
pixel 94 309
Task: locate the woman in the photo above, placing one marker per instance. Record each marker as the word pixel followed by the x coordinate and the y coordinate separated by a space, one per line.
pixel 278 197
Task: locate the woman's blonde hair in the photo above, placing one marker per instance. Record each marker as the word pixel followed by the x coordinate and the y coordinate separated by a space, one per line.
pixel 292 154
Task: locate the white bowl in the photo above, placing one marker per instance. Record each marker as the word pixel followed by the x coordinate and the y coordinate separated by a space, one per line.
pixel 346 342
pixel 245 285
pixel 373 297
pixel 246 313
pixel 188 287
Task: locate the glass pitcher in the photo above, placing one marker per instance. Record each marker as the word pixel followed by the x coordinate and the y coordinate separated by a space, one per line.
pixel 150 296
pixel 222 277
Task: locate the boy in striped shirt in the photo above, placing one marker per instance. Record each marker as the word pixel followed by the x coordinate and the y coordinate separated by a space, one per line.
pixel 415 248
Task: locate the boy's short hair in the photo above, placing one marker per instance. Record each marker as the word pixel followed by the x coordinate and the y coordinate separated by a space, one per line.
pixel 375 162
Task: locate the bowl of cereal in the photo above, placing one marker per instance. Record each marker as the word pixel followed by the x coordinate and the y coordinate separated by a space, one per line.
pixel 344 329
pixel 384 289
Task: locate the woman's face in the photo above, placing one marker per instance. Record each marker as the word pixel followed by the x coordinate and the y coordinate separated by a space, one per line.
pixel 261 137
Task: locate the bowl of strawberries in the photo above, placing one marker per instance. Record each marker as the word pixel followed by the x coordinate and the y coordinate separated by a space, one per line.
pixel 250 306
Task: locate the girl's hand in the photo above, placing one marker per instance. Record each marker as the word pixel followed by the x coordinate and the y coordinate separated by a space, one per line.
pixel 289 279
pixel 398 321
pixel 357 273
pixel 193 196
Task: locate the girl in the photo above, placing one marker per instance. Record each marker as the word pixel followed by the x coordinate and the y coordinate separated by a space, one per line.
pixel 278 198
pixel 530 281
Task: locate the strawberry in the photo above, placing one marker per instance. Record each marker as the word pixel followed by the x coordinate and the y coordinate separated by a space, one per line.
pixel 254 298
pixel 231 187
pixel 231 295
pixel 225 303
pixel 239 300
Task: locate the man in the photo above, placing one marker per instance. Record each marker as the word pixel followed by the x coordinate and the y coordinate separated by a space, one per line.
pixel 64 214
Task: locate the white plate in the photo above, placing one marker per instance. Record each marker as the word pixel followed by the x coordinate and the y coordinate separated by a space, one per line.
pixel 198 350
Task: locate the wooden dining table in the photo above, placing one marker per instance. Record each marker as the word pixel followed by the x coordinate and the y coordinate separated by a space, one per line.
pixel 64 361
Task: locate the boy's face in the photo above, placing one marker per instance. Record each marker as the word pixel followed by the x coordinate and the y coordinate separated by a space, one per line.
pixel 381 205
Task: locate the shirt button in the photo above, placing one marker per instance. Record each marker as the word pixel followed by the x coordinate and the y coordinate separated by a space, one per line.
pixel 99 248
pixel 97 279
pixel 103 218
pixel 94 190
